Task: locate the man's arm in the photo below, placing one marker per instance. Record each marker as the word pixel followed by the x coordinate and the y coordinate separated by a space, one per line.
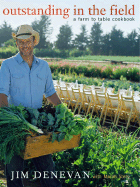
pixel 3 100
pixel 54 99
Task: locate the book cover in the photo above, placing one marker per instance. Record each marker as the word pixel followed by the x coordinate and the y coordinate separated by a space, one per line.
pixel 95 19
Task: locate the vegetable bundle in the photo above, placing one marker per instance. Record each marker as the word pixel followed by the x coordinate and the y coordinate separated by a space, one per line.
pixel 65 122
pixel 16 122
pixel 13 130
pixel 59 119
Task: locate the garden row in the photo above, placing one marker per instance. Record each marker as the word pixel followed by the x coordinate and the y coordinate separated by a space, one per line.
pixel 117 84
pixel 130 72
pixel 110 72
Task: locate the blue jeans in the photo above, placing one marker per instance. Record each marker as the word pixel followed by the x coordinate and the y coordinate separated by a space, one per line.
pixel 42 163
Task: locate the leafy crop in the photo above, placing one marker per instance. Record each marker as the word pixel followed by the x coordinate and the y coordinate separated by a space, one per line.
pixel 117 84
pixel 64 122
pixel 16 122
pixel 13 129
pixel 111 158
pixel 131 72
pixel 59 119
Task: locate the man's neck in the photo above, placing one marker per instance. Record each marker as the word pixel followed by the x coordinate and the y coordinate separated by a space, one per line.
pixel 28 59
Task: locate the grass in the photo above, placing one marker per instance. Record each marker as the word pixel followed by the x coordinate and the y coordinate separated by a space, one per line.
pixel 103 58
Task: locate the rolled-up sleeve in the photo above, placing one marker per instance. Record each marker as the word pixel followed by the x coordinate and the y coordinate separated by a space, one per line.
pixel 49 87
pixel 4 79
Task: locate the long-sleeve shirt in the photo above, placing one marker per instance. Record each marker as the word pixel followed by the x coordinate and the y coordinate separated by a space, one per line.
pixel 23 85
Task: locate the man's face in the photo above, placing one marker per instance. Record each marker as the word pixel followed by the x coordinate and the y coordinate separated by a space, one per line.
pixel 25 46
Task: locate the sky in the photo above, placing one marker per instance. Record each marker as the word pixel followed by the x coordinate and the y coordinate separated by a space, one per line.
pixel 127 18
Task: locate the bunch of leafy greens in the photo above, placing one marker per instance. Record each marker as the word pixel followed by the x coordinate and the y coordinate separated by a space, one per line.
pixel 13 131
pixel 16 122
pixel 59 120
pixel 64 122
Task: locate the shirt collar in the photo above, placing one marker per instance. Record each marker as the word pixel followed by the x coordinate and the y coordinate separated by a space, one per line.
pixel 19 59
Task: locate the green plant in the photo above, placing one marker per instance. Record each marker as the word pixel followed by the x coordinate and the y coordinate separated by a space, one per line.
pixel 13 129
pixel 108 156
pixel 117 84
pixel 95 70
pixel 8 52
pixel 61 120
pixel 2 184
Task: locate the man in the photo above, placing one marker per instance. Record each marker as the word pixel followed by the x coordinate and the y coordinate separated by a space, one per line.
pixel 23 80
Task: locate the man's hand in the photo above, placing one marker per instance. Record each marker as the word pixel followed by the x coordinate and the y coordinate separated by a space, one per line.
pixel 3 100
pixel 54 99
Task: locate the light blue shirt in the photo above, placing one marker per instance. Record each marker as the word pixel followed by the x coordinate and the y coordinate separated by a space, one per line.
pixel 23 85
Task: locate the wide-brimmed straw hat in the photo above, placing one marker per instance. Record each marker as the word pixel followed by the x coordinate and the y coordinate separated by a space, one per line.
pixel 25 32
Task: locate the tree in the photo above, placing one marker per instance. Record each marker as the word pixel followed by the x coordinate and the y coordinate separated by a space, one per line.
pixel 116 41
pixel 43 27
pixel 5 32
pixel 105 44
pixel 138 43
pixel 81 40
pixel 95 38
pixel 132 43
pixel 10 42
pixel 64 37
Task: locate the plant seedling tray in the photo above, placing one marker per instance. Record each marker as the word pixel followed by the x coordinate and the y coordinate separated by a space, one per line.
pixel 38 145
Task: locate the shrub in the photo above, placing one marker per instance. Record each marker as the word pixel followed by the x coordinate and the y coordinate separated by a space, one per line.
pixel 51 53
pixel 8 52
pixel 10 42
pixel 77 53
pixel 133 74
pixel 106 72
pixel 109 72
pixel 45 53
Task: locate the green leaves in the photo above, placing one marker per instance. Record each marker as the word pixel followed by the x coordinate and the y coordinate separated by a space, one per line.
pixel 42 119
pixel 68 123
pixel 64 122
pixel 99 153
pixel 75 131
pixel 34 121
pixel 61 136
pixel 51 119
pixel 34 113
pixel 79 161
pixel 62 129
pixel 68 137
pixel 54 137
pixel 13 129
